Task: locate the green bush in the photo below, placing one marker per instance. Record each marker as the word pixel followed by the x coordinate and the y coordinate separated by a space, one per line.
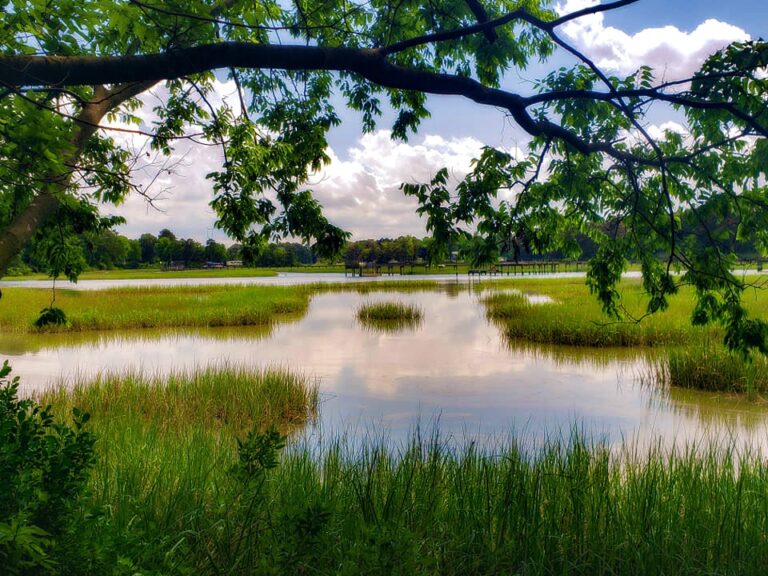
pixel 44 466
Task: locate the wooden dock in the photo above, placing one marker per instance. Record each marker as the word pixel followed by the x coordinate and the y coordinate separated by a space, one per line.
pixel 520 268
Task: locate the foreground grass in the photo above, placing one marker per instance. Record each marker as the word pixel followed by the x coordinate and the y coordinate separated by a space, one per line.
pixel 165 447
pixel 171 494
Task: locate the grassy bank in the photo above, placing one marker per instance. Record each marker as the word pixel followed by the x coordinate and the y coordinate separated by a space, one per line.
pixel 176 306
pixel 154 307
pixel 156 273
pixel 574 317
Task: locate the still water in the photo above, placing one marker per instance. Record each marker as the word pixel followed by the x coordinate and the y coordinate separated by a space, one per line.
pixel 454 367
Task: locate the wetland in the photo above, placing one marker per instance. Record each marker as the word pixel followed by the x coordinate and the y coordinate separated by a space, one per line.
pixel 484 427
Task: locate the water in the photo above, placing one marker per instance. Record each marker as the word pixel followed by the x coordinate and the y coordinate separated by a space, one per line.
pixel 282 279
pixel 454 367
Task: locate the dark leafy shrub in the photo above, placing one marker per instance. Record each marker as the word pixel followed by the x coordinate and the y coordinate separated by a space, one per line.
pixel 51 316
pixel 44 465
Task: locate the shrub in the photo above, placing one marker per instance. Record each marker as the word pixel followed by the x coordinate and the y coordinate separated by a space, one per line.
pixel 44 465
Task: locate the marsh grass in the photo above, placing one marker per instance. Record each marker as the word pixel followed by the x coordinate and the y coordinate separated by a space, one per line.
pixel 390 311
pixel 167 499
pixel 166 444
pixel 220 397
pixel 152 307
pixel 567 507
pixel 570 507
pixel 389 316
pixel 574 317
pixel 710 367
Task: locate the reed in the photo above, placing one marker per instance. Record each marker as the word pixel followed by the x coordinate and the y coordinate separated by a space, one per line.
pixel 166 444
pixel 169 494
pixel 712 368
pixel 389 316
pixel 568 507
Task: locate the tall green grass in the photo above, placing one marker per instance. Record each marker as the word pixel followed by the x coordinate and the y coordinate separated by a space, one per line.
pixel 169 494
pixel 153 307
pixel 225 397
pixel 710 367
pixel 570 507
pixel 574 317
pixel 165 447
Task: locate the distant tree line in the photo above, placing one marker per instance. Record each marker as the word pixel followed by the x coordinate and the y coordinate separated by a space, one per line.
pixel 106 249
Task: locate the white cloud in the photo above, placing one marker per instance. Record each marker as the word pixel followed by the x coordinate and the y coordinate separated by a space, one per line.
pixel 359 192
pixel 362 193
pixel 671 52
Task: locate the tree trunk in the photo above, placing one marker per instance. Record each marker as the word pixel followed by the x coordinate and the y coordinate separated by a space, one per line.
pixel 27 222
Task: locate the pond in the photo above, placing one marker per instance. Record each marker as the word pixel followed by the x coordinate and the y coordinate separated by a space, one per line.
pixel 453 368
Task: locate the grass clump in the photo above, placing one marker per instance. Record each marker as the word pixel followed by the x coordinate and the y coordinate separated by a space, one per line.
pixel 712 368
pixel 390 311
pixel 222 397
pixel 389 316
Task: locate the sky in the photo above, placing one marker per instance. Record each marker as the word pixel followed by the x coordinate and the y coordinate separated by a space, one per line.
pixel 359 190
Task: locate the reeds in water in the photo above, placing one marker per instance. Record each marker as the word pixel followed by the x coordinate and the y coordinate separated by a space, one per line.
pixel 389 316
pixel 712 368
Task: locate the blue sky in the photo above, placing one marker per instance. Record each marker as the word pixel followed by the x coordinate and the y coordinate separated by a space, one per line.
pixel 359 190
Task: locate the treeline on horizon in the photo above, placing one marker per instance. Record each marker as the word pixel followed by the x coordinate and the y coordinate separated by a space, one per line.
pixel 106 250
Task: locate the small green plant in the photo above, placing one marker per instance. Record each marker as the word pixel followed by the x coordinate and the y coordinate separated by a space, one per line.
pixel 258 453
pixel 44 466
pixel 51 316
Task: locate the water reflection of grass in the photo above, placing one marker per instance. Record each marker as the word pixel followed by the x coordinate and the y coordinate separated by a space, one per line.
pixel 15 344
pixel 711 410
pixel 601 357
